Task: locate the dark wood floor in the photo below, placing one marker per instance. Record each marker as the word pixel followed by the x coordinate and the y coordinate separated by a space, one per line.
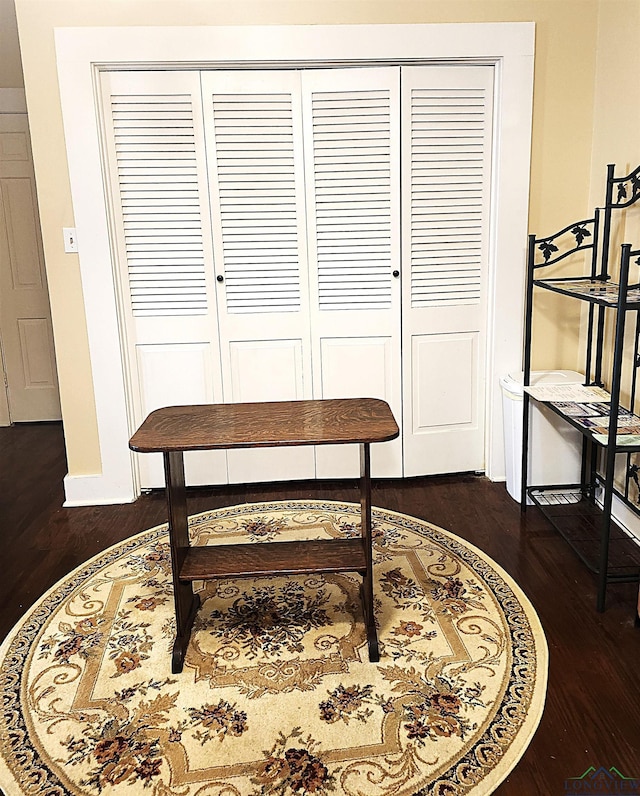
pixel 592 715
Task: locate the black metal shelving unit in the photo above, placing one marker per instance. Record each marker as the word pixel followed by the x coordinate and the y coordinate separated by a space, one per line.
pixel 582 513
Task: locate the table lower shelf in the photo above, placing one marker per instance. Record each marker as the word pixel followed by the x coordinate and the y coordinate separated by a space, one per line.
pixel 269 558
pixel 580 522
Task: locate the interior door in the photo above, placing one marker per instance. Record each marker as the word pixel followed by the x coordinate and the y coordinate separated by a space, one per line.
pixel 446 173
pixel 26 335
pixel 158 183
pixel 256 179
pixel 352 175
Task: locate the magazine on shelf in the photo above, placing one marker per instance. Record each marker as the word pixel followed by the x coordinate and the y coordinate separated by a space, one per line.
pixel 595 418
pixel 577 410
pixel 621 439
pixel 567 393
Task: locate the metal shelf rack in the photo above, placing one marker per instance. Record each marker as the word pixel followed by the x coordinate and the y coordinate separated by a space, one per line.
pixel 582 513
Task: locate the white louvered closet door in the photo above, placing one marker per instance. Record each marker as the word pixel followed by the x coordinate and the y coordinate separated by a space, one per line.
pixel 447 133
pixel 256 175
pixel 158 183
pixel 352 152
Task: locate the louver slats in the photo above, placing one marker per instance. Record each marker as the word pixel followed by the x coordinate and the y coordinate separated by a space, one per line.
pixel 159 197
pixel 257 201
pixel 448 129
pixel 352 178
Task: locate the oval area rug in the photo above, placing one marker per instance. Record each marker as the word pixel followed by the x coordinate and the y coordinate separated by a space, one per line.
pixel 277 695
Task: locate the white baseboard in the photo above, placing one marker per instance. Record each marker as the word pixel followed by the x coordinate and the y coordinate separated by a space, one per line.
pixel 95 490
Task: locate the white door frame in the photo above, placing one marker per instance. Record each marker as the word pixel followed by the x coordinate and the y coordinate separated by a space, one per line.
pixel 83 52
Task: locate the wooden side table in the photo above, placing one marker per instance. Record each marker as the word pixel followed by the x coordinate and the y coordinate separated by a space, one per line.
pixel 176 429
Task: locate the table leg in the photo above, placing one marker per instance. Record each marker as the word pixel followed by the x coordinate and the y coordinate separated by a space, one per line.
pixel 367 580
pixel 186 602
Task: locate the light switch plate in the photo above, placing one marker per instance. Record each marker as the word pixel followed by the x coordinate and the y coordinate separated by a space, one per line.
pixel 70 241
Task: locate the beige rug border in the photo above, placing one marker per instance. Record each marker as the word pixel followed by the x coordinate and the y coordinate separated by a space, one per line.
pixel 507 762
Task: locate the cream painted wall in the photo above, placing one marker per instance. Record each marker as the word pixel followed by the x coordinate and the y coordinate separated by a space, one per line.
pixel 567 35
pixel 617 120
pixel 617 94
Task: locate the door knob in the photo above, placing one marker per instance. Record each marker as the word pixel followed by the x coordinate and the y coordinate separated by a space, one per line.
pixel 220 278
pixel 396 274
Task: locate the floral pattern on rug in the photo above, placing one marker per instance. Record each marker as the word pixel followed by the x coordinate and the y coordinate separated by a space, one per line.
pixel 277 696
pixel 271 620
pixel 294 769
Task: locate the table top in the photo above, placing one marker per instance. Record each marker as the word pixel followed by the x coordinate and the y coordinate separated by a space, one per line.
pixel 268 424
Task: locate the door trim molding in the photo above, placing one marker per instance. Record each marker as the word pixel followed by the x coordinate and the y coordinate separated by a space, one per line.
pixel 83 52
